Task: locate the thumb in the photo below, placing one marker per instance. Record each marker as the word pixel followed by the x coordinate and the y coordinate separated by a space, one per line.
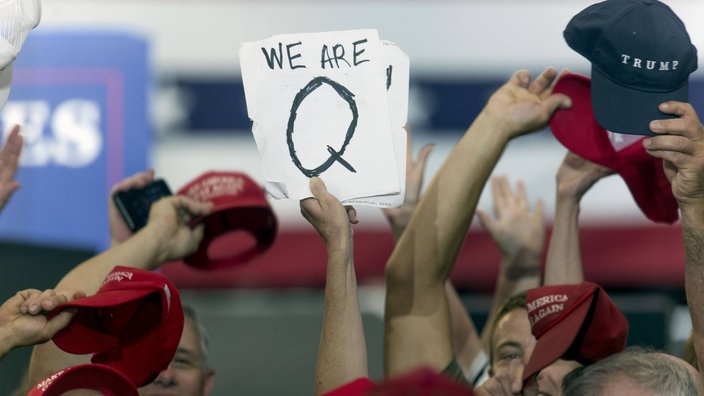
pixel 317 186
pixel 485 219
pixel 58 322
pixel 558 101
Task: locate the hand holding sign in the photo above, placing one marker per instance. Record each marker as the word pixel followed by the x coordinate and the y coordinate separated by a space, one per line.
pixel 322 105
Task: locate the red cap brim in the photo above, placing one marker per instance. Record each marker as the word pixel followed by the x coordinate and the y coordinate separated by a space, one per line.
pixel 551 345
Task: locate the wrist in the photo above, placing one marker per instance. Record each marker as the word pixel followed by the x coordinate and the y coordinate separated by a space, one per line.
pixel 7 342
pixel 516 269
pixel 494 123
pixel 567 192
pixel 153 242
pixel 692 214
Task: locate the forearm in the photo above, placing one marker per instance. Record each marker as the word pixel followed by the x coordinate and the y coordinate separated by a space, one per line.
pixel 428 248
pixel 342 353
pixel 143 251
pixel 564 259
pixel 693 240
pixel 417 324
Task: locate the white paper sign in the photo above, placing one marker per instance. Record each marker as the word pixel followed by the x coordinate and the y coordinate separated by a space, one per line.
pixel 320 106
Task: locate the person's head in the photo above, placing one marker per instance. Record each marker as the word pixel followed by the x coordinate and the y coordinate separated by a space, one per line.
pixel 190 372
pixel 575 325
pixel 635 371
pixel 511 341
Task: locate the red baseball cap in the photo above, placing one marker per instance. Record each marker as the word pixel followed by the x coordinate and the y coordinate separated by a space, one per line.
pixel 133 323
pixel 573 322
pixel 577 130
pixel 242 224
pixel 105 379
pixel 419 382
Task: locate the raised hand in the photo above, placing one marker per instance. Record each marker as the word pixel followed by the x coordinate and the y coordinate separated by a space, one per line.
pixel 518 232
pixel 680 143
pixel 524 105
pixel 327 215
pixel 170 221
pixel 23 320
pixel 415 169
pixel 577 175
pixel 119 231
pixel 9 162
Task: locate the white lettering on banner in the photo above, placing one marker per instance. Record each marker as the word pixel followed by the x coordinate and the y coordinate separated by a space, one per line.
pixel 76 126
pixel 649 63
pixel 73 140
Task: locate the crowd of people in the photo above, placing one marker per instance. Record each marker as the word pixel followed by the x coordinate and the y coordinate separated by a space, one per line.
pixel 550 331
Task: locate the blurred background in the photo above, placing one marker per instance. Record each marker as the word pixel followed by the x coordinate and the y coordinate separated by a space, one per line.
pixel 108 88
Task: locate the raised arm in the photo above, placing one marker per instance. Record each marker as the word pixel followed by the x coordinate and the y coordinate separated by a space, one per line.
pixel 465 341
pixel 342 352
pixel 519 234
pixel 417 319
pixel 680 143
pixel 166 237
pixel 575 177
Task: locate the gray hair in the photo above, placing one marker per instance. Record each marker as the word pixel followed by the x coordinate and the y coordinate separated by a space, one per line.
pixel 653 370
pixel 190 313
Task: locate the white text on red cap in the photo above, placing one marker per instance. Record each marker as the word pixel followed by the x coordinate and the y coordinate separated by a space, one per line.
pixel 118 276
pixel 216 186
pixel 545 306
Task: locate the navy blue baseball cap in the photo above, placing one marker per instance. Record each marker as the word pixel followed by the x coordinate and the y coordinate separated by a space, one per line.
pixel 641 56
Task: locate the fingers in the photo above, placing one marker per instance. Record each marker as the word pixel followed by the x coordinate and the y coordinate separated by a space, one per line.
pixel 680 109
pixel 58 322
pixel 13 145
pixel 415 173
pixel 687 124
pixel 522 195
pixel 423 155
pixel 539 207
pixel 485 219
pixel 544 82
pixel 192 206
pixel 78 294
pixel 557 101
pixel 669 147
pixel 36 301
pixel 521 78
pixel 138 180
pixel 351 214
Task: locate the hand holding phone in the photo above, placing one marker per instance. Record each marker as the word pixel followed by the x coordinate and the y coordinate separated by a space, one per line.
pixel 134 204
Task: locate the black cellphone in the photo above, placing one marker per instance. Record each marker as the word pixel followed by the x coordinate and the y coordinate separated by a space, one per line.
pixel 134 204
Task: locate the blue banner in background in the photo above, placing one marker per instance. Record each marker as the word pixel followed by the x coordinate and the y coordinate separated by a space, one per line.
pixel 437 103
pixel 81 98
